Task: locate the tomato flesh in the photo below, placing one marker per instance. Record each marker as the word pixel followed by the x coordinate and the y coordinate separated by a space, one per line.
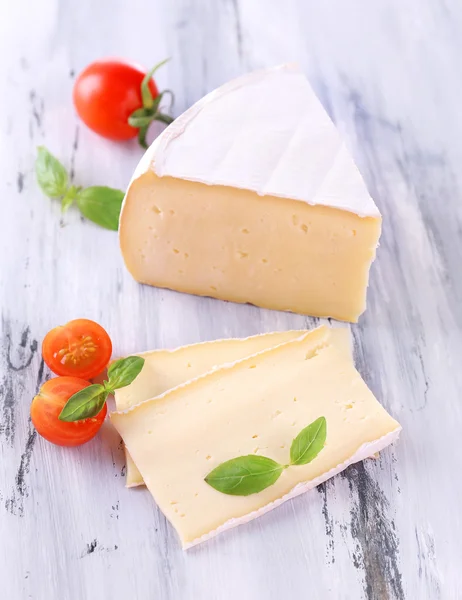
pixel 47 406
pixel 81 348
pixel 106 93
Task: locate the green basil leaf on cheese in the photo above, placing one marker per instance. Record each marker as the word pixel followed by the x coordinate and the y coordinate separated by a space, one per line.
pixel 101 205
pixel 122 372
pixel 309 442
pixel 51 175
pixel 244 475
pixel 84 404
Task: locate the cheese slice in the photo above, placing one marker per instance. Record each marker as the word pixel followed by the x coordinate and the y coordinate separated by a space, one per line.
pixel 165 369
pixel 255 405
pixel 251 196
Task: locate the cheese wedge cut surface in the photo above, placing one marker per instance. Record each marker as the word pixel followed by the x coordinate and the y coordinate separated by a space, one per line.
pixel 251 196
pixel 165 369
pixel 253 406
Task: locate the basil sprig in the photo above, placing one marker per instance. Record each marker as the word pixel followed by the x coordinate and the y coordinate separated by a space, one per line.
pixel 141 118
pixel 97 203
pixel 88 402
pixel 251 474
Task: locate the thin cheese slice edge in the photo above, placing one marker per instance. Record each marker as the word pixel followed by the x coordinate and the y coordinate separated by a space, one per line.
pixel 166 369
pixel 256 405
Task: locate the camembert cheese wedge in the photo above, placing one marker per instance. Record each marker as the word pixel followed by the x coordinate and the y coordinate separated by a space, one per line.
pixel 166 369
pixel 255 405
pixel 252 196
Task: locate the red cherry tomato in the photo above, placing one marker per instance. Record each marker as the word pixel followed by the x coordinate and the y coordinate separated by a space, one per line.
pixel 81 348
pixel 106 93
pixel 47 406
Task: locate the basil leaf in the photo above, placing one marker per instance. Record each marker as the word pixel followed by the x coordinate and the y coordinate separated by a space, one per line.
pixel 244 475
pixel 309 442
pixel 122 372
pixel 69 197
pixel 84 404
pixel 101 205
pixel 66 202
pixel 51 175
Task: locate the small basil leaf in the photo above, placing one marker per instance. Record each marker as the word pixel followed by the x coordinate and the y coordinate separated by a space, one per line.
pixel 244 475
pixel 51 175
pixel 101 205
pixel 309 442
pixel 84 404
pixel 122 372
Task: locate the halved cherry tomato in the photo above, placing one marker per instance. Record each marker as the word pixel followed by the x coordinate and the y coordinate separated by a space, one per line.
pixel 106 93
pixel 81 348
pixel 47 406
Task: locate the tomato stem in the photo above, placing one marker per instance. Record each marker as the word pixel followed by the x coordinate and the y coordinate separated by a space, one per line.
pixel 143 117
pixel 167 119
pixel 142 136
pixel 148 100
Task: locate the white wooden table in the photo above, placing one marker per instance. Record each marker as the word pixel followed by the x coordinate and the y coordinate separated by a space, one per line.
pixel 389 74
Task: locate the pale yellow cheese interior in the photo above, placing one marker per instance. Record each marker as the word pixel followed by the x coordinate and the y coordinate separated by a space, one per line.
pixel 257 405
pixel 165 369
pixel 235 245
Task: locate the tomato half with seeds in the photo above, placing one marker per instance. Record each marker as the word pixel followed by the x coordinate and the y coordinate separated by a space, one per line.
pixel 47 406
pixel 81 348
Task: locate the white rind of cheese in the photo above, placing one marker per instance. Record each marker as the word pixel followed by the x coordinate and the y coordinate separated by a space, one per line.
pixel 251 196
pixel 251 134
pixel 365 451
pixel 170 435
pixel 166 369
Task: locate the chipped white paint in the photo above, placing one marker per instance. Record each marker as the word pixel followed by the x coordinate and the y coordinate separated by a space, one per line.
pixel 386 72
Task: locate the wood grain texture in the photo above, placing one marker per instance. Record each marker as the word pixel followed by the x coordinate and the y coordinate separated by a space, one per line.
pixel 385 529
